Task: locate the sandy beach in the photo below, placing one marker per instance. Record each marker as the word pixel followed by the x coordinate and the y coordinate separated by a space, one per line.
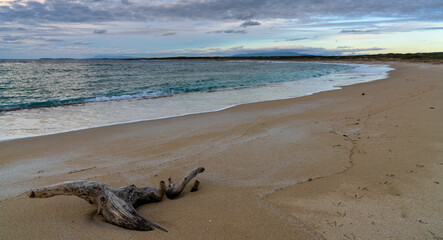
pixel 363 162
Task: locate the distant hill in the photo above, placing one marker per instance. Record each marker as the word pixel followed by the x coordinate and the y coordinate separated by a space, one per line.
pixel 268 54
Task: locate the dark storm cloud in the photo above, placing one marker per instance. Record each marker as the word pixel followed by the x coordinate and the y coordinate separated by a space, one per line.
pixel 302 10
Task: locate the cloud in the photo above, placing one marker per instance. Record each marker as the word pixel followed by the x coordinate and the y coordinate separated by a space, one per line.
pixel 11 38
pixel 31 12
pixel 169 34
pixel 241 50
pixel 431 28
pixel 296 39
pixel 33 22
pixel 99 31
pixel 229 31
pixel 301 10
pixel 357 50
pixel 359 31
pixel 3 49
pixel 304 50
pixel 250 23
pixel 8 29
pixel 80 43
pixel 293 39
pixel 20 39
pixel 234 31
pixel 50 39
pixel 7 40
pixel 237 47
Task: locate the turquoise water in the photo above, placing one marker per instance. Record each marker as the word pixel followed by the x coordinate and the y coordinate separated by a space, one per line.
pixel 40 97
pixel 45 83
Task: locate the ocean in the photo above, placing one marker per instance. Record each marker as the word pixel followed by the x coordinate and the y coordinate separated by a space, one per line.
pixel 40 97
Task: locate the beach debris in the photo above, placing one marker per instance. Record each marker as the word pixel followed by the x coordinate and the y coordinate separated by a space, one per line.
pixel 117 205
pixel 435 235
pixel 174 190
pixel 352 237
pixel 81 170
pixel 340 214
pixel 339 204
pixel 195 186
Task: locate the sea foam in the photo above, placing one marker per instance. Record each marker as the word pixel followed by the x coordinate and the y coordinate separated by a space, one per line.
pixel 109 110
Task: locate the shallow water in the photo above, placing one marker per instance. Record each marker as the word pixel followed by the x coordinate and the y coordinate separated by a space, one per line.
pixel 173 88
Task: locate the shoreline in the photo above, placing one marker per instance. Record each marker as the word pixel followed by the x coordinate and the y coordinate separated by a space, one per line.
pixel 367 76
pixel 275 169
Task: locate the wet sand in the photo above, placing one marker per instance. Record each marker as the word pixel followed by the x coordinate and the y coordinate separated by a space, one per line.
pixel 364 162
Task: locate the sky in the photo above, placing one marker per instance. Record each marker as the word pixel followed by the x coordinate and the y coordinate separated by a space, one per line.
pixel 162 28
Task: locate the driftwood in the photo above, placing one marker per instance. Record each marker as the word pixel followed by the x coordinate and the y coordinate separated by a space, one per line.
pixel 117 205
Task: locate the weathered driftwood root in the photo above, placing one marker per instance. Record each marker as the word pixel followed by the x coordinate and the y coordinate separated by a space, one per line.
pixel 174 190
pixel 117 205
pixel 195 186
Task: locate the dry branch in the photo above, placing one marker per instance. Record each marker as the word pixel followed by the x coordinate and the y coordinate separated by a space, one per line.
pixel 174 190
pixel 117 205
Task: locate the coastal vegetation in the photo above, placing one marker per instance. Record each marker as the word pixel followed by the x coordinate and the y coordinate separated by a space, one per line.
pixel 435 57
